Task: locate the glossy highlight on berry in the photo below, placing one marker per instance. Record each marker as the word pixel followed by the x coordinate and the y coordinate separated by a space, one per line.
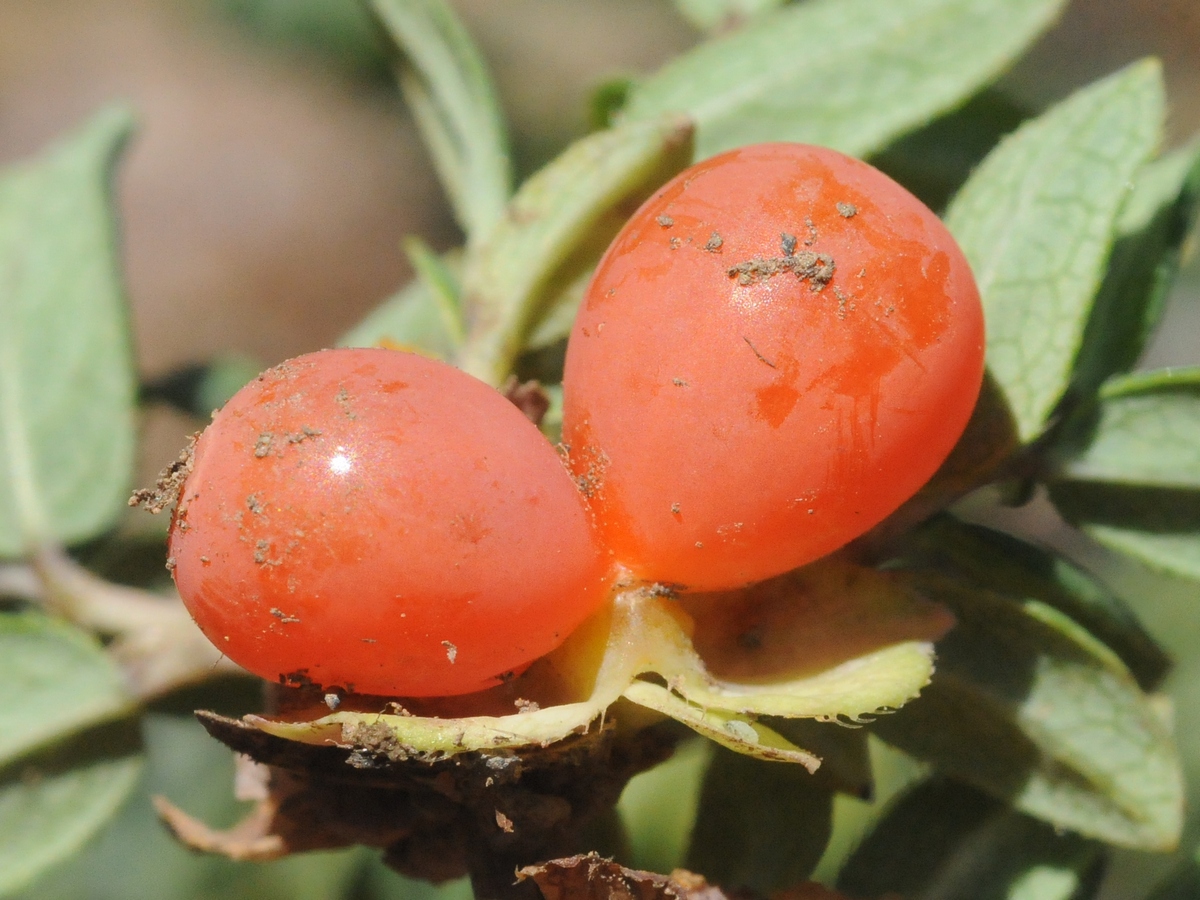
pixel 772 373
pixel 383 523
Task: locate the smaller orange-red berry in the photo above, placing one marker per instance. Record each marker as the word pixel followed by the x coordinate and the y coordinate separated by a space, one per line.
pixel 384 523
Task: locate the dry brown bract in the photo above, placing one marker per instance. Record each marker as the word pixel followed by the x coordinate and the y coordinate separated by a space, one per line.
pixel 529 397
pixel 170 481
pixel 592 877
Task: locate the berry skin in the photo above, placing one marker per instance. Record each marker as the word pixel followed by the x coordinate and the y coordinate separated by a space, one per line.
pixel 384 523
pixel 780 347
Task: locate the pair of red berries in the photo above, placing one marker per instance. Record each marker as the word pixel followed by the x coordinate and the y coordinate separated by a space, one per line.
pixel 780 347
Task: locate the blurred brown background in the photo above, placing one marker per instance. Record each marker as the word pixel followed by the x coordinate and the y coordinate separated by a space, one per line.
pixel 271 180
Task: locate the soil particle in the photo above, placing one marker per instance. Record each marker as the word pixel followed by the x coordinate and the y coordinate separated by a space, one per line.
pixel 169 484
pixel 679 382
pixel 372 741
pixel 504 823
pixel 714 243
pixel 303 434
pixel 675 243
pixel 665 221
pixel 262 446
pixel 816 268
pixel 451 651
pixel 342 399
pixel 847 210
pixel 262 551
pixel 812 232
pixel 282 616
pixel 788 243
pixel 254 504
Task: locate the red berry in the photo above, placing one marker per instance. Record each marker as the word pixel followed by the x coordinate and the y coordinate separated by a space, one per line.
pixel 385 523
pixel 780 347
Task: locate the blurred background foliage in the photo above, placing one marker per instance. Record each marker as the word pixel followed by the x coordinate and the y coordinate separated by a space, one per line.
pixel 262 206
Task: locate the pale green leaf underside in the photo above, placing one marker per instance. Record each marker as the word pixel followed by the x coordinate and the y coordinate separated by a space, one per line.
pixel 1148 432
pixel 712 15
pixel 56 680
pixel 508 281
pixel 67 383
pixel 1028 709
pixel 848 74
pixel 46 817
pixel 1150 232
pixel 1036 222
pixel 450 94
pixel 1176 554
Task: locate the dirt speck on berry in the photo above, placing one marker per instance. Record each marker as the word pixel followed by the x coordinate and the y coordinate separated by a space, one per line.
pixel 169 484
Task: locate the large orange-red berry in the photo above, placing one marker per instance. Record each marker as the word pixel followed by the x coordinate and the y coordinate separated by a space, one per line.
pixel 384 523
pixel 780 347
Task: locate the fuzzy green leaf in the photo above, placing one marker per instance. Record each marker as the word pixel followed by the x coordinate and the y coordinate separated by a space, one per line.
pixel 1134 481
pixel 936 160
pixel 1159 527
pixel 948 841
pixel 51 805
pixel 760 825
pixel 1020 571
pixel 57 680
pixel 720 15
pixel 1036 222
pixel 67 384
pixel 450 93
pixel 557 225
pixel 848 74
pixel 658 807
pixel 1030 708
pixel 1146 430
pixel 1151 229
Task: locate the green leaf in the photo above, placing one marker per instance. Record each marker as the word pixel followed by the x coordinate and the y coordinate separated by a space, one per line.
pixel 1152 226
pixel 441 281
pixel 845 758
pixel 1036 222
pixel 448 89
pixel 658 807
pixel 415 318
pixel 1145 430
pixel 1182 884
pixel 948 841
pixel 67 386
pixel 760 824
pixel 848 74
pixel 934 161
pixel 1030 708
pixel 1159 527
pixel 342 31
pixel 1134 481
pixel 556 227
pixel 722 15
pixel 135 858
pixel 57 680
pixel 1018 570
pixel 52 804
